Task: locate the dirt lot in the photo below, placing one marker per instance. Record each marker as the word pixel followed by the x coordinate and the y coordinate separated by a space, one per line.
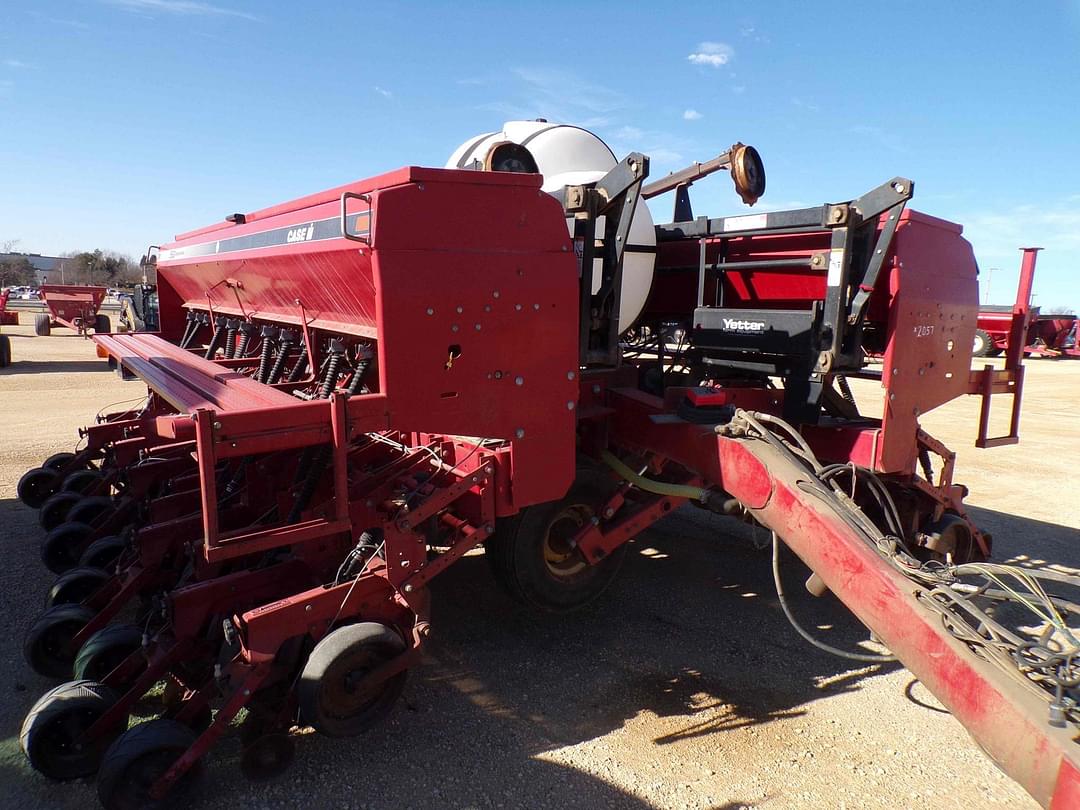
pixel 684 687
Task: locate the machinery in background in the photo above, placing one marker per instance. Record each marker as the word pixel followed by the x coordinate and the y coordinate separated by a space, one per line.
pixel 352 390
pixel 74 306
pixel 139 309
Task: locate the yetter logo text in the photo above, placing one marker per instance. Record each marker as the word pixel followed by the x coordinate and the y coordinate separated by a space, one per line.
pixel 734 325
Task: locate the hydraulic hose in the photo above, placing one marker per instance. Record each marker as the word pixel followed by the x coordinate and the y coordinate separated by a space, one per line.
pixel 655 487
pixel 265 353
pixel 287 340
pixel 218 339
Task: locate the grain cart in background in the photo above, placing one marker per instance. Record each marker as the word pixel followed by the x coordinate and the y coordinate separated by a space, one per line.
pixel 73 306
pixel 7 318
pixel 351 390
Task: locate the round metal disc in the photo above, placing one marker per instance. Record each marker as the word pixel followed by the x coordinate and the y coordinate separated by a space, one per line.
pixel 748 172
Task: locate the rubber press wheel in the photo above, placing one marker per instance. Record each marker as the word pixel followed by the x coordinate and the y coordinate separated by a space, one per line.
pixel 138 758
pixel 42 325
pixel 92 509
pixel 107 649
pixel 75 585
pixel 82 480
pixel 983 344
pixel 329 693
pixel 57 461
pixel 48 646
pixel 63 547
pixel 533 559
pixel 103 553
pixel 55 509
pixel 37 485
pixel 52 733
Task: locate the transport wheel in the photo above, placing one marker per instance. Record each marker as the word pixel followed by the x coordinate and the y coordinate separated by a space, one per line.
pixel 533 560
pixel 42 325
pixel 5 351
pixel 51 735
pixel 102 325
pixel 55 509
pixel 92 509
pixel 81 480
pixel 106 650
pixel 103 553
pixel 37 485
pixel 328 692
pixel 57 461
pixel 48 647
pixel 983 344
pixel 137 759
pixel 74 586
pixel 63 547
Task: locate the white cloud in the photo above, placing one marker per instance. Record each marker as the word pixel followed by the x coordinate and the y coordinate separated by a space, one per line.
pixel 738 89
pixel 185 7
pixel 383 92
pixel 15 63
pixel 691 115
pixel 712 54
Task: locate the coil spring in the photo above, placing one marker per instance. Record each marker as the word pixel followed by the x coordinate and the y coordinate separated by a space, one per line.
pixel 230 338
pixel 216 340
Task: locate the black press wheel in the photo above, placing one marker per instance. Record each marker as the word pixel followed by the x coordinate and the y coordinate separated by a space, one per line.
pixel 5 351
pixel 533 559
pixel 137 759
pixel 57 461
pixel 48 646
pixel 42 325
pixel 55 509
pixel 983 345
pixel 330 695
pixel 52 735
pixel 92 510
pixel 106 650
pixel 37 485
pixel 63 547
pixel 103 553
pixel 82 481
pixel 74 586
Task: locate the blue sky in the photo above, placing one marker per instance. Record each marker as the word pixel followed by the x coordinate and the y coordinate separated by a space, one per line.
pixel 127 121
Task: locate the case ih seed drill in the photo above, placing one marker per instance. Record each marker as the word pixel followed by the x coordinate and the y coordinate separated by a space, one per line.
pixel 352 390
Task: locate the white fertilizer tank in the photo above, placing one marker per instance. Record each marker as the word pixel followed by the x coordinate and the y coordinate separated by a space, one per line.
pixel 568 155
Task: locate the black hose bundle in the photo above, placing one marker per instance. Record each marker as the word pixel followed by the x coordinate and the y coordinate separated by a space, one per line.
pixel 231 327
pixel 266 351
pixel 286 340
pixel 247 329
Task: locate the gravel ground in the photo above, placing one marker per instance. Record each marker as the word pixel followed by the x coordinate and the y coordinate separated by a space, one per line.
pixel 683 688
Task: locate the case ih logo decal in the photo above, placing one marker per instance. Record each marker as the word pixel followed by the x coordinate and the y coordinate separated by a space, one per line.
pixel 735 325
pixel 301 234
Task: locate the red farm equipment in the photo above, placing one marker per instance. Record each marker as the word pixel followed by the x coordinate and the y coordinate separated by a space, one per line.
pixel 1048 335
pixel 73 306
pixel 8 317
pixel 352 390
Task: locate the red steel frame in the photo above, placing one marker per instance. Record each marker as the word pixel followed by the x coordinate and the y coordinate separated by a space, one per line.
pixel 515 379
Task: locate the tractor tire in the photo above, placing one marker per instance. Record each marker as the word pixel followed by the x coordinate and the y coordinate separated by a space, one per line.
pixel 138 758
pixel 48 647
pixel 102 325
pixel 5 351
pixel 532 561
pixel 42 325
pixel 326 699
pixel 50 734
pixel 983 344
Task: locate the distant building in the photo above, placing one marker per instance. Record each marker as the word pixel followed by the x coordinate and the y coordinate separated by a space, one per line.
pixel 49 269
